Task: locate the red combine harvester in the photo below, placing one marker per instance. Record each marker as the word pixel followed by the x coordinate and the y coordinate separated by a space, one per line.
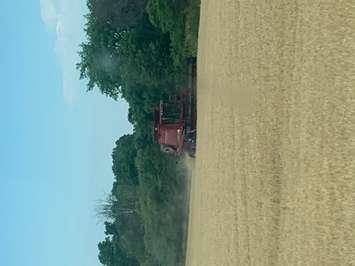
pixel 175 120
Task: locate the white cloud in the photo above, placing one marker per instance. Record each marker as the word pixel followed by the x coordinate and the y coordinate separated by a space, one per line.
pixel 49 13
pixel 65 19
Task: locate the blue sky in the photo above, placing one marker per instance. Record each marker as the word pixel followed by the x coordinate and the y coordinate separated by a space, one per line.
pixel 56 139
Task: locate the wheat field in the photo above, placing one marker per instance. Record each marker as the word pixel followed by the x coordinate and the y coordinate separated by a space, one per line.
pixel 274 176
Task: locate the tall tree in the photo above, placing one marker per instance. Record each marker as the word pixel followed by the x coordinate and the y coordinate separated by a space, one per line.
pixel 121 14
pixel 106 252
pixel 123 164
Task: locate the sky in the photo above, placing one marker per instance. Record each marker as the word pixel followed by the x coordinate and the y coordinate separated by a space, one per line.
pixel 55 139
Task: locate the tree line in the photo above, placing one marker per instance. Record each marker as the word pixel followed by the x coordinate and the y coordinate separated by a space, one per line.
pixel 138 50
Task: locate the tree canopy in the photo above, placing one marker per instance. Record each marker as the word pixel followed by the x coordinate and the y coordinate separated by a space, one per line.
pixel 138 50
pixel 146 208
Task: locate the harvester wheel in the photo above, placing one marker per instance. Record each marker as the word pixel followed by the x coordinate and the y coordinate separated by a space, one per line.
pixel 190 149
pixel 167 149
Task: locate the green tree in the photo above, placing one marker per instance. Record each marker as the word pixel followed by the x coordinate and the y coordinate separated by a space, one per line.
pixel 135 49
pixel 123 156
pixel 110 228
pixel 106 252
pixel 111 254
pixel 120 60
pixel 121 14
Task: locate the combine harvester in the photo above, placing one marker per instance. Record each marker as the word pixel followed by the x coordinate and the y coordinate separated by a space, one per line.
pixel 175 119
